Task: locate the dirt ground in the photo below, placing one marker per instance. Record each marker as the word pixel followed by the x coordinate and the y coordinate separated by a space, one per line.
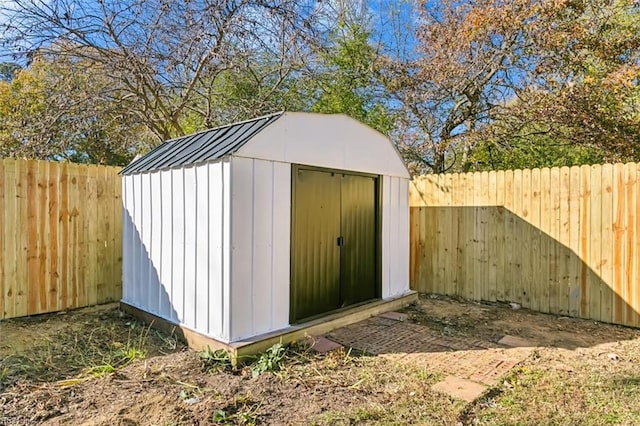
pixel 99 367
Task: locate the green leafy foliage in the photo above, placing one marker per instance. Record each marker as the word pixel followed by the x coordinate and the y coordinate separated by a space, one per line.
pixel 8 70
pixel 345 81
pixel 271 360
pixel 482 84
pixel 215 361
pixel 542 151
pixel 64 109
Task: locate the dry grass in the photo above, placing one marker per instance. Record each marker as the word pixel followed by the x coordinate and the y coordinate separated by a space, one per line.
pixel 583 387
pixel 101 343
pixel 104 368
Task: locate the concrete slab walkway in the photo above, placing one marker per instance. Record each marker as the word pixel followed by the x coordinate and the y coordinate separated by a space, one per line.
pixel 470 365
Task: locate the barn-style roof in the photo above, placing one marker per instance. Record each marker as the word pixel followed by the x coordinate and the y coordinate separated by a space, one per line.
pixel 200 147
pixel 333 141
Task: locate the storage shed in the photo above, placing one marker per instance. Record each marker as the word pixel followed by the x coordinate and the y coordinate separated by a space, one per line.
pixel 257 228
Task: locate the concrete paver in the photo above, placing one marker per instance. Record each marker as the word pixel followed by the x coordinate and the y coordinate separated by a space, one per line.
pixel 460 388
pixel 468 360
pixel 398 316
pixel 323 345
pixel 516 342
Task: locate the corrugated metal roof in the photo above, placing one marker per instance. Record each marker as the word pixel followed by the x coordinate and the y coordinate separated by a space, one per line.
pixel 200 147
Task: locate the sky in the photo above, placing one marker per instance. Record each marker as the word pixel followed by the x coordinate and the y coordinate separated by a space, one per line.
pixel 392 24
pixel 5 54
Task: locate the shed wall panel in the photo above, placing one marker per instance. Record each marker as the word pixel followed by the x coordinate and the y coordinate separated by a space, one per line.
pixel 216 205
pixel 386 234
pixel 128 229
pixel 155 246
pixel 262 246
pixel 260 233
pixel 395 236
pixel 166 241
pixel 202 255
pixel 144 202
pixel 281 254
pixel 226 250
pixel 190 246
pixel 241 248
pixel 178 237
pixel 176 245
pixel 140 250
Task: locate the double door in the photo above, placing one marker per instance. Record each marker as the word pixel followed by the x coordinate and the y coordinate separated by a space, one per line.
pixel 334 242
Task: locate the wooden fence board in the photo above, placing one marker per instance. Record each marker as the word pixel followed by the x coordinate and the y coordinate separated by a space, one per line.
pixel 631 254
pixel 500 235
pixel 60 236
pixel 3 209
pixel 594 230
pixel 546 265
pixel 636 272
pixel 510 237
pixel 535 282
pixel 22 278
pixel 606 244
pixel 54 224
pixel 559 302
pixel 492 229
pixel 469 231
pixel 560 240
pixel 9 247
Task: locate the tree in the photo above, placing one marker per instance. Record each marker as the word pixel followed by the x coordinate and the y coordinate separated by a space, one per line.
pixel 586 93
pixel 541 151
pixel 59 108
pixel 8 70
pixel 344 80
pixel 511 71
pixel 166 56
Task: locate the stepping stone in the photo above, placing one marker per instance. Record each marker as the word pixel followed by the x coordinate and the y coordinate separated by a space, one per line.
pixel 516 342
pixel 323 345
pixel 398 316
pixel 460 388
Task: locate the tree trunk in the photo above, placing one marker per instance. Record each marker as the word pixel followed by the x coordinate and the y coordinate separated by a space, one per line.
pixel 439 165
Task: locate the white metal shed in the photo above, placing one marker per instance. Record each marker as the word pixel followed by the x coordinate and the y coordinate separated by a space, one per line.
pixel 220 225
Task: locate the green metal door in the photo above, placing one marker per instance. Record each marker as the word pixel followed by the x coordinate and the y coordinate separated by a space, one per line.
pixel 358 229
pixel 315 254
pixel 333 241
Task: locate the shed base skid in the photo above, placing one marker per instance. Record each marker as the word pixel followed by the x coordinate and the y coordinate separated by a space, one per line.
pixel 257 344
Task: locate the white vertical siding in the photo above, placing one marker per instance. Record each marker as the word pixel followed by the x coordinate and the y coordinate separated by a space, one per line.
pixel 395 236
pixel 166 241
pixel 260 232
pixel 176 246
pixel 262 266
pixel 281 254
pixel 128 229
pixel 190 246
pixel 178 238
pixel 202 283
pixel 155 246
pixel 225 285
pixel 140 255
pixel 208 246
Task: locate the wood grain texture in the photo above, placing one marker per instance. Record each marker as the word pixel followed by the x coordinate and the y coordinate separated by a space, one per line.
pixel 560 240
pixel 60 236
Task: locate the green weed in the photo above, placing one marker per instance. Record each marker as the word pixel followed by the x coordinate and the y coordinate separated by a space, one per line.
pixel 4 376
pixel 243 411
pixel 271 360
pixel 215 361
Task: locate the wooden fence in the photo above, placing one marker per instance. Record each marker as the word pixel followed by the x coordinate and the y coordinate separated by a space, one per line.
pixel 561 240
pixel 60 236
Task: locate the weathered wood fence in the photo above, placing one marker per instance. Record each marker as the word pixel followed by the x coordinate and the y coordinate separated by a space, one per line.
pixel 561 240
pixel 60 236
